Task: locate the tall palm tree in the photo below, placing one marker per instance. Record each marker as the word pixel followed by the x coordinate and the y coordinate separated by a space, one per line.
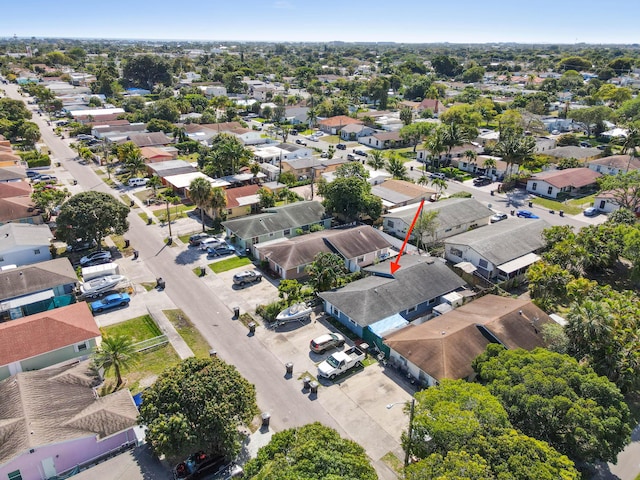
pixel 155 183
pixel 376 159
pixel 488 164
pixel 455 135
pixel 435 144
pixel 515 149
pixel 200 193
pixel 395 167
pixel 471 156
pixel 217 201
pixel 135 163
pixel 440 184
pixel 117 353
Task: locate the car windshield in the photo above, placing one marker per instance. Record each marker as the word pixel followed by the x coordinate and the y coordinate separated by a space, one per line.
pixel 333 362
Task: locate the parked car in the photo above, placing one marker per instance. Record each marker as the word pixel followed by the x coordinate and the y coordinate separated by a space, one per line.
pixel 99 255
pixel 350 157
pixel 111 301
pixel 341 146
pixel 211 242
pixel 248 276
pixel 293 131
pixel 481 181
pixel 220 251
pixel 44 178
pixel 300 142
pixel 200 465
pixel 590 212
pixel 32 173
pixel 79 245
pixel 498 217
pixel 437 175
pixel 324 155
pixel 326 342
pixel 362 153
pixel 195 240
pixel 97 261
pixel 137 182
pixel 526 214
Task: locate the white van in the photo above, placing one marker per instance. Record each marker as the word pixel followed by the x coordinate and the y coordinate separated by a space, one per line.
pixel 138 182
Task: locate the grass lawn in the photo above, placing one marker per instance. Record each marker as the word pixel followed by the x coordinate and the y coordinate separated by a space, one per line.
pixel 335 139
pixel 553 205
pixel 211 231
pixel 583 202
pixel 229 264
pixel 393 462
pixel 137 329
pixel 175 211
pixel 119 241
pixel 188 332
pixel 145 218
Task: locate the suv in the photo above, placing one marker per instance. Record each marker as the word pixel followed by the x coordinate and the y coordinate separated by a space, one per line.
pixel 326 342
pixel 248 276
pixel 481 181
pixel 195 240
pixel 341 146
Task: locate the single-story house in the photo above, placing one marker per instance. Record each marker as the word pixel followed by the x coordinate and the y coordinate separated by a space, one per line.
pixel 242 201
pixel 570 181
pixel 170 167
pixel 150 139
pixel 52 422
pixel 500 251
pixel 383 140
pixel 96 114
pixel 359 247
pixel 479 166
pixel 247 136
pixel 116 127
pixel 35 288
pixel 24 243
pixel 585 155
pixel 65 334
pixel 297 115
pixel 433 105
pixel 16 205
pixel 180 183
pixel 273 154
pixel 333 125
pixel 382 301
pixel 445 346
pixel 615 164
pixel 355 132
pixel 8 158
pixel 397 193
pixel 155 154
pixel 607 202
pixel 311 167
pixel 455 215
pixel 456 155
pixel 276 222
pixel 14 188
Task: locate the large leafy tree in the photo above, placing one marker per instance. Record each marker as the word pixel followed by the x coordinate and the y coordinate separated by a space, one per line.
pixel 551 397
pixel 310 452
pixel 46 198
pixel 327 271
pixel 515 149
pixel 624 188
pixel 591 118
pixel 226 156
pixel 198 405
pixel 115 353
pixel 91 216
pixel 350 198
pixel 200 194
pixel 147 71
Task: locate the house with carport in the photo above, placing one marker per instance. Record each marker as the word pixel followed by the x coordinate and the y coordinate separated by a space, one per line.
pixel 498 252
pixel 53 424
pixel 355 132
pixel 566 182
pixel 359 247
pixel 445 346
pixel 381 302
pixel 242 200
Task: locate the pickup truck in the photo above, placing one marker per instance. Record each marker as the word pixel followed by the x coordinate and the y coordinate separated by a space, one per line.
pixel 340 362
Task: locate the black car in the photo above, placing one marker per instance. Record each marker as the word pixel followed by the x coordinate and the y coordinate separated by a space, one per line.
pixel 481 181
pixel 341 146
pixel 362 153
pixel 195 240
pixel 198 465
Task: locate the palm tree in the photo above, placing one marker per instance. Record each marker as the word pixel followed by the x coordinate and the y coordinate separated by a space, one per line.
pixel 217 201
pixel 435 144
pixel 135 163
pixel 470 155
pixel 117 353
pixel 515 149
pixel 395 167
pixel 423 180
pixel 254 168
pixel 488 164
pixel 376 160
pixel 200 193
pixel 440 184
pixel 155 183
pixel 455 135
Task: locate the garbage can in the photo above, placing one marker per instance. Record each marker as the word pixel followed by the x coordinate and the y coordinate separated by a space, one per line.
pixel 513 212
pixel 313 386
pixel 561 213
pixel 132 203
pixel 160 283
pixel 213 353
pixel 203 271
pixel 266 417
pixel 126 243
pixel 289 367
pixel 149 221
pixel 75 182
pixel 236 312
pixel 306 383
pixel 530 204
pixel 170 241
pixel 135 254
pixel 252 327
pixel 492 193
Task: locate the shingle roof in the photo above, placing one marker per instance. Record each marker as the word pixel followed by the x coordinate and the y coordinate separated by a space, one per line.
pixel 36 277
pixel 149 139
pixel 9 174
pixel 277 219
pixel 15 208
pixel 452 212
pixel 23 234
pixel 445 346
pixel 503 241
pixel 621 162
pixel 56 405
pixel 233 194
pixel 373 298
pixel 14 189
pixel 571 151
pixel 569 177
pixel 44 332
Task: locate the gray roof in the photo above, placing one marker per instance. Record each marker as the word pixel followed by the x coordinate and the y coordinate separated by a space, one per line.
pixel 504 241
pixel 12 173
pixel 277 219
pixel 56 405
pixel 23 234
pixel 149 139
pixel 170 165
pixel 571 151
pixel 36 278
pixel 376 297
pixel 453 212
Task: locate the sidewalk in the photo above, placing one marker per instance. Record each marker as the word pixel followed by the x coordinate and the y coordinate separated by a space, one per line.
pixel 175 339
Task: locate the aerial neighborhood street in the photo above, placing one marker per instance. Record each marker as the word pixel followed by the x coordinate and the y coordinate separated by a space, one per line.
pixel 366 262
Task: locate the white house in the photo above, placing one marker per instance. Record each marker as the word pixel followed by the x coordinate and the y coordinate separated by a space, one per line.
pixel 213 90
pixel 24 243
pixel 615 164
pixel 570 181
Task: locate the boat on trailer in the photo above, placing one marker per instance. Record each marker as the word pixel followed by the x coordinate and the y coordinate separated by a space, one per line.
pixel 297 311
pixel 97 286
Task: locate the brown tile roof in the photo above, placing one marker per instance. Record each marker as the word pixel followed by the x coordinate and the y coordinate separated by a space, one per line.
pixel 339 121
pixel 46 331
pixel 16 208
pixel 570 177
pixel 621 162
pixel 233 194
pixel 56 405
pixel 445 346
pixel 154 152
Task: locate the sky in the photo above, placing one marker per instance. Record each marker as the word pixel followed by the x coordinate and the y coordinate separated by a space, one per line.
pixel 400 21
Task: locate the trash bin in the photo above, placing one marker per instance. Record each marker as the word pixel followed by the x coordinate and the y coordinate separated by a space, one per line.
pixel 126 243
pixel 412 168
pixel 561 213
pixel 492 193
pixel 132 203
pixel 289 367
pixel 58 163
pixel 530 204
pixel 135 254
pixel 75 182
pixel 160 283
pixel 149 221
pixel 313 386
pixel 203 271
pixel 252 327
pixel 236 312
pixel 213 353
pixel 513 212
pixel 306 382
pixel 266 417
pixel 170 241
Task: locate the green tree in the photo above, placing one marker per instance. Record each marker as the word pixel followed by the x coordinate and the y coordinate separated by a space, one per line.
pixel 115 353
pixel 446 66
pixel 515 149
pixel 46 199
pixel 406 115
pixel 350 198
pixel 290 290
pixel 91 216
pixel 375 159
pixel 548 284
pixel 288 178
pixel 426 226
pixel 200 193
pixel 624 189
pixel 227 155
pixel 135 163
pixel 154 183
pixel 551 397
pixel 396 167
pixel 267 198
pixel 198 404
pixel 592 117
pixel 455 465
pixel 126 150
pixel 631 250
pixel 327 271
pixel 352 169
pixel 217 202
pixel 295 454
pixel 147 71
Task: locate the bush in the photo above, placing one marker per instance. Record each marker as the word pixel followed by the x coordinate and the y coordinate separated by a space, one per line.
pixel 35 159
pixel 270 311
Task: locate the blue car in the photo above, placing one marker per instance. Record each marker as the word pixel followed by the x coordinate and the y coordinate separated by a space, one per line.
pixel 526 214
pixel 220 251
pixel 111 301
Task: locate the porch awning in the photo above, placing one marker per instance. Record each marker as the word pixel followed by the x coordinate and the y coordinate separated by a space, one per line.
pixel 466 267
pixel 519 263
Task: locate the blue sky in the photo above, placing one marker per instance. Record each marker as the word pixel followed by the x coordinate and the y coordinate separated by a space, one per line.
pixel 408 21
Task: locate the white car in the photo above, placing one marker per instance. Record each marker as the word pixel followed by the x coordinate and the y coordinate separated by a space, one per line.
pixel 212 242
pixel 95 256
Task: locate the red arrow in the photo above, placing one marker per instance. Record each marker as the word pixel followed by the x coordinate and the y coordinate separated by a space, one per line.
pixel 395 265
